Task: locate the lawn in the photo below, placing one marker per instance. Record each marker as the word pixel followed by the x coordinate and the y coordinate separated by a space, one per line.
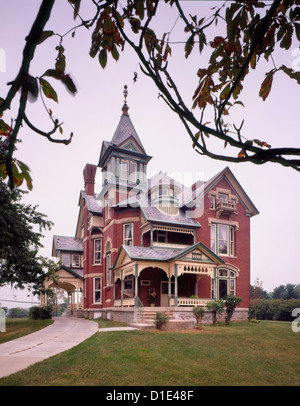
pixel 261 354
pixel 16 328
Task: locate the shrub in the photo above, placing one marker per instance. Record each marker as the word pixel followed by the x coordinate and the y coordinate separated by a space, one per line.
pixel 40 312
pixel 160 320
pixel 198 313
pixel 276 309
pixel 231 302
pixel 216 307
pixel 18 312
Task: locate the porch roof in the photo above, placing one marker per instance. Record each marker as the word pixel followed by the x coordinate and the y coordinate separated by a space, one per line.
pixel 166 254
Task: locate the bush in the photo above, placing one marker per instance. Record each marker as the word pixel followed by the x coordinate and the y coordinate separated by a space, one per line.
pixel 40 312
pixel 215 307
pixel 18 312
pixel 275 309
pixel 160 320
pixel 198 313
pixel 231 302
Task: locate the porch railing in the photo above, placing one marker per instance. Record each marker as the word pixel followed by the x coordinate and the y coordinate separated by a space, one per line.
pixel 192 301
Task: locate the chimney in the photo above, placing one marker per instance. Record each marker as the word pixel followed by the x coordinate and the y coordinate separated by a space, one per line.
pixel 89 178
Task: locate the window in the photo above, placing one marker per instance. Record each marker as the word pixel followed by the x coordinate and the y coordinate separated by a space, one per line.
pixel 107 208
pixel 212 202
pixel 97 251
pixel 132 172
pixel 223 198
pixel 108 270
pixel 226 283
pixel 124 170
pixel 128 234
pixel 97 290
pixel 76 261
pixel 196 255
pixel 65 259
pixel 222 239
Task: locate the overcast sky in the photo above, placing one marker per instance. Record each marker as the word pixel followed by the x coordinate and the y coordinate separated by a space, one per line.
pixel 93 114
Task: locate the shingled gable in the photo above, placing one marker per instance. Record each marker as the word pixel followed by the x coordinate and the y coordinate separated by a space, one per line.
pixel 164 255
pixel 63 243
pixel 125 137
pixel 232 181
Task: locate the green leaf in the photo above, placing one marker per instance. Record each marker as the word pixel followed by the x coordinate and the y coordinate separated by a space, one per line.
pixel 225 92
pixel 45 35
pixel 48 90
pixel 103 57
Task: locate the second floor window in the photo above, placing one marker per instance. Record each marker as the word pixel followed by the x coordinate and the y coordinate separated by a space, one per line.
pixel 222 239
pixel 97 251
pixel 128 234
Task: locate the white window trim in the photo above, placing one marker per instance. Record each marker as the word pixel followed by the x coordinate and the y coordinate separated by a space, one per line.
pixel 132 232
pixel 94 290
pixel 94 251
pixel 230 242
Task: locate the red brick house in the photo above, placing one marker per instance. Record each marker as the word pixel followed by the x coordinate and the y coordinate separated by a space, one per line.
pixel 135 236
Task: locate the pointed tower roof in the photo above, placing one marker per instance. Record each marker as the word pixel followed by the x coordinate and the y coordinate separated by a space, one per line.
pixel 125 136
pixel 125 129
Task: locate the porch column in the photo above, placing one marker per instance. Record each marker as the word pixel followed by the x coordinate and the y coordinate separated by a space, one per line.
pixel 122 289
pixel 196 287
pixel 214 285
pixel 176 287
pixel 136 278
pixel 151 235
pixel 114 289
pixel 169 290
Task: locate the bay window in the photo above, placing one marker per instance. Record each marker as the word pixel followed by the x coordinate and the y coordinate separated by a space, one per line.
pixel 97 251
pixel 97 290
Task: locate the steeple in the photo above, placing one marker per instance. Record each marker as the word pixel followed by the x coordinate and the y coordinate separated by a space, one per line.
pixel 124 159
pixel 126 132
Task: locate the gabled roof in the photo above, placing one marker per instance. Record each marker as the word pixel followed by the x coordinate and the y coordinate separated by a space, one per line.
pixel 78 273
pixel 236 187
pixel 165 254
pixel 93 204
pixel 63 243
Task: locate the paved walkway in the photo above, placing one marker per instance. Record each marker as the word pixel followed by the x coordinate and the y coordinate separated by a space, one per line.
pixel 64 333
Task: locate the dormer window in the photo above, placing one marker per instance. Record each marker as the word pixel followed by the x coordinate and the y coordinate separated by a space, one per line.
pixel 164 198
pixel 128 170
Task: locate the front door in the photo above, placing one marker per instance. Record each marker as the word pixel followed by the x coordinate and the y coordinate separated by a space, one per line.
pixel 164 286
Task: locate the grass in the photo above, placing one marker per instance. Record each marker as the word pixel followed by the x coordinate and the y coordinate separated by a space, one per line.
pixel 16 328
pixel 261 354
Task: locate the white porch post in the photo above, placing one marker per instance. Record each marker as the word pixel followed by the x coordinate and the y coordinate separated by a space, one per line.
pixel 136 277
pixel 169 289
pixel 122 289
pixel 176 287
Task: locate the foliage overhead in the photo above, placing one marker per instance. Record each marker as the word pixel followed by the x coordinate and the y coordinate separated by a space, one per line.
pixel 248 32
pixel 19 264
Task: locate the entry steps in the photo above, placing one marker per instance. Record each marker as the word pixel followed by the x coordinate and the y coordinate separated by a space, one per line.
pixel 149 314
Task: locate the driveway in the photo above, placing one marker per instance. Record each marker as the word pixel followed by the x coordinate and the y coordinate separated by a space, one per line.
pixel 64 333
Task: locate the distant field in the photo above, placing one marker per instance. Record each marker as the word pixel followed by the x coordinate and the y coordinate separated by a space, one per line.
pixel 266 353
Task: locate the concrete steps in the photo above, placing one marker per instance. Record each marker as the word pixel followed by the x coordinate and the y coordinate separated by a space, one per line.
pixel 147 321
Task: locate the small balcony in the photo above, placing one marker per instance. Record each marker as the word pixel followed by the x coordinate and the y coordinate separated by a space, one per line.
pixel 225 208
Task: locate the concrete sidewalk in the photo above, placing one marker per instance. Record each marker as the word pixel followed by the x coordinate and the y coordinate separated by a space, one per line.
pixel 64 333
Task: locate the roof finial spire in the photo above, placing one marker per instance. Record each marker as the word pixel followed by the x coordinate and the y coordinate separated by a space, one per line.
pixel 125 107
